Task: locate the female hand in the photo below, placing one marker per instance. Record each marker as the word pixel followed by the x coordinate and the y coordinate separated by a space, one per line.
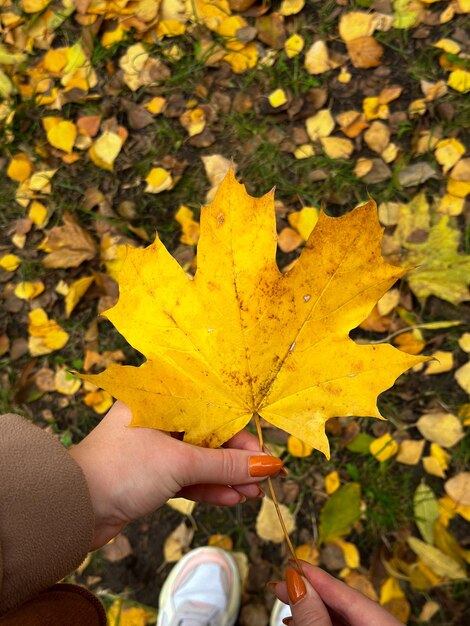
pixel 132 471
pixel 321 600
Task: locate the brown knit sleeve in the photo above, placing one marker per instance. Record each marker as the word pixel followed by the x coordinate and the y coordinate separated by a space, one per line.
pixel 46 515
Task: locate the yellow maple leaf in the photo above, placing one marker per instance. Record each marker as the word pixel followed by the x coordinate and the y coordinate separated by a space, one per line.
pixel 242 338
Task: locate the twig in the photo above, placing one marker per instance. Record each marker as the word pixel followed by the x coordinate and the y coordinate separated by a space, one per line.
pixel 275 500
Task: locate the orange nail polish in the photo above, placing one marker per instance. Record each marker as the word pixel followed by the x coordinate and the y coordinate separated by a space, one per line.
pixel 264 465
pixel 295 585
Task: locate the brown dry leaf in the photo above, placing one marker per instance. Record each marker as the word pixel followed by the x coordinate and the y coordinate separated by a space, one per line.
pixel 361 583
pixel 416 174
pixel 442 428
pixel 458 488
pixel 177 543
pixel 267 522
pixel 117 549
pixel 430 608
pixel 68 245
pixel 365 52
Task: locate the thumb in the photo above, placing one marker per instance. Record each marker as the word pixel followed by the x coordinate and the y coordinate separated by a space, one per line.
pixel 306 605
pixel 225 466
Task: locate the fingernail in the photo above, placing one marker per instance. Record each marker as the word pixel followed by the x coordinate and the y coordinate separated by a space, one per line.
pixel 242 499
pixel 295 585
pixel 287 620
pixel 264 465
pixel 272 584
pixel 261 492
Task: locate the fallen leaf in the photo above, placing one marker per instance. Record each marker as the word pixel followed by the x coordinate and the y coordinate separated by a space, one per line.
pixel 216 167
pixel 320 125
pixel 119 614
pixel 383 448
pixel 437 561
pixel 185 218
pixel 442 428
pixel 448 152
pixel 291 7
pixel 38 214
pixel 410 451
pixel 277 98
pixel 177 543
pixel 76 292
pixel 318 60
pixel 298 448
pixel 29 290
pixel 117 549
pixel 158 180
pixel 365 52
pixel 66 383
pixel 294 45
pixel 464 340
pixel 426 511
pixel 100 401
pixel 356 24
pixel 194 121
pixel 350 553
pixel 430 608
pixel 10 262
pixel 221 541
pixel 377 136
pixel 459 80
pixel 308 552
pixel 444 363
pixel 62 134
pixel 183 506
pixel 340 512
pixel 232 345
pixel 105 150
pixel 332 482
pixel 388 302
pixel 462 376
pixel 416 174
pixel 361 583
pixel 45 335
pixel 68 245
pixel 458 488
pixel 268 527
pixel 304 221
pixel 20 167
pixel 337 147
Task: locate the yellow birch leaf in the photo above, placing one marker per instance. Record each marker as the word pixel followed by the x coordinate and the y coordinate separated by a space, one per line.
pixel 228 29
pixel 291 7
pixel 356 24
pixel 374 109
pixel 62 135
pixel 377 136
pixel 20 167
pixel 337 147
pixel 442 428
pixel 298 448
pixel 194 121
pixel 308 552
pixel 185 218
pixel 304 151
pixel 29 290
pixel 459 80
pixel 440 455
pixel 105 150
pixel 410 451
pixel 444 363
pixel 34 6
pixel 120 615
pixel 332 483
pixel 45 334
pixel 320 125
pixel 155 105
pixel 221 541
pixel 390 590
pixel 243 59
pixel 448 152
pixel 158 180
pixel 183 506
pixel 432 466
pixel 294 45
pixel 458 488
pixel 350 552
pixel 177 543
pixel 277 98
pixel 462 376
pixel 383 448
pixel 100 401
pixel 304 220
pixel 10 262
pixel 66 383
pixel 464 342
pixel 344 76
pixel 41 181
pixel 390 153
pixel 317 59
pixel 38 213
pixel 430 608
pixel 240 359
pixel 451 205
pixel 268 527
pixel 76 292
pixel 110 37
pixel 440 563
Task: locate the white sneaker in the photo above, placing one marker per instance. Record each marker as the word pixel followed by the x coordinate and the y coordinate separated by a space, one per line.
pixel 279 612
pixel 203 589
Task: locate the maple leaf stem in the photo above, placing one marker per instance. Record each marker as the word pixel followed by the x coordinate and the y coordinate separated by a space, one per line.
pixel 274 497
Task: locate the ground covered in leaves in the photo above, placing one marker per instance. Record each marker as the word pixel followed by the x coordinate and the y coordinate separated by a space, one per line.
pixel 119 119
